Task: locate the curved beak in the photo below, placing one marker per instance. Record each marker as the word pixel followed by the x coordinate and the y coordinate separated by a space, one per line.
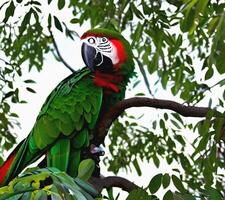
pixel 88 55
pixel 94 59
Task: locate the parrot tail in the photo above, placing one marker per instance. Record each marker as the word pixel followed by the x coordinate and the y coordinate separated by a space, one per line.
pixel 4 169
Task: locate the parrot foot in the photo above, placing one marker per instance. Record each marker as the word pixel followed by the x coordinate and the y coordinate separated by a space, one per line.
pixel 97 150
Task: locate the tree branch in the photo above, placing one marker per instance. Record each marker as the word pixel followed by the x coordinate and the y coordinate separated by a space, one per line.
pixel 118 109
pixel 58 53
pixel 112 181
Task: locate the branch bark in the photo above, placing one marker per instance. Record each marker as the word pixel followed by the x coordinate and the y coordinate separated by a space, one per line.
pixel 118 109
pixel 112 181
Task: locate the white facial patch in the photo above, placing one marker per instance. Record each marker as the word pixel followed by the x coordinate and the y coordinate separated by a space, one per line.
pixel 104 46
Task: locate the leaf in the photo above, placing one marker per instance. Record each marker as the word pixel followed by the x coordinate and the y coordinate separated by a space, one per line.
pixel 166 180
pixel 168 195
pixel 156 160
pixel 50 20
pixel 35 3
pixel 138 194
pixel 74 21
pixel 213 24
pixel 155 183
pixel 61 4
pixel 178 184
pixel 137 167
pixel 136 83
pixel 137 34
pixel 14 115
pixel 30 90
pixel 175 124
pixel 58 24
pixel 25 21
pixel 8 94
pixel 29 81
pixel 40 195
pixel 177 117
pixel 86 186
pixel 209 73
pixel 137 12
pixel 86 169
pixel 9 11
pixel 214 194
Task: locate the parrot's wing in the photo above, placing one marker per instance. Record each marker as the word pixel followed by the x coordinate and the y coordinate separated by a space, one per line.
pixel 73 107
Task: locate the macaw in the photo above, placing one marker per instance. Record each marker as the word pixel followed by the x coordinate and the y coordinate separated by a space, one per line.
pixel 68 118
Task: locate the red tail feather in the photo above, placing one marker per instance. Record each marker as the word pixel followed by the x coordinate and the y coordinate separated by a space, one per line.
pixel 5 167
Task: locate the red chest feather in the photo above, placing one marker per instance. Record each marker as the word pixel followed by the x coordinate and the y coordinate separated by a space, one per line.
pixel 108 81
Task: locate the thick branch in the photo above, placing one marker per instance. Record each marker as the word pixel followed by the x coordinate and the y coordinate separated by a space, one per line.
pixel 112 181
pixel 118 109
pixel 58 53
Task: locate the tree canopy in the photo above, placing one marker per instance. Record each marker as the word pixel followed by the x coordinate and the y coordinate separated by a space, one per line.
pixel 178 46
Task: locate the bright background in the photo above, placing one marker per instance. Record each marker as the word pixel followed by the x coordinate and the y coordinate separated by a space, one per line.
pixel 53 72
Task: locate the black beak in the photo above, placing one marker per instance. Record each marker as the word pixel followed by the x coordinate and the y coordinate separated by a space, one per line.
pixel 88 55
pixel 95 60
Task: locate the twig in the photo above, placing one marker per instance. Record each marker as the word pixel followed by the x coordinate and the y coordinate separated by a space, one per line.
pixel 6 62
pixel 187 111
pixel 112 181
pixel 58 53
pixel 142 70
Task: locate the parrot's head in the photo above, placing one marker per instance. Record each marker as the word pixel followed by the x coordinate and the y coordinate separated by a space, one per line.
pixel 107 51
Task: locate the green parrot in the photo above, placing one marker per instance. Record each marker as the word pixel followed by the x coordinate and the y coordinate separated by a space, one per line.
pixel 68 118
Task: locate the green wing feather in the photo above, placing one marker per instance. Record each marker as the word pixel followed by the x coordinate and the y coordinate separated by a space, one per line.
pixel 70 112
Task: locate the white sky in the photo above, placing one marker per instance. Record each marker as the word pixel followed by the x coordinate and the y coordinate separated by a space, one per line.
pixel 53 72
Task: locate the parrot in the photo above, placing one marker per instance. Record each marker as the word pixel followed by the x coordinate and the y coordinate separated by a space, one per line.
pixel 68 118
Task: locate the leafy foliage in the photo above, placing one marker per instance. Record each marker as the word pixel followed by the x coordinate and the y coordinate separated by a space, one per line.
pixel 181 43
pixel 47 183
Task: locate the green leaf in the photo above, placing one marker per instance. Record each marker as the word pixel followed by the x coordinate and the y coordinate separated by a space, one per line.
pixel 168 195
pixel 188 197
pixel 8 94
pixel 25 22
pixel 61 4
pixel 58 24
pixel 156 160
pixel 29 81
pixel 137 34
pixel 137 167
pixel 30 90
pixel 138 194
pixel 166 180
pixel 86 169
pixel 35 3
pixel 9 11
pixel 86 186
pixel 178 184
pixel 155 183
pixel 74 21
pixel 213 24
pixel 209 73
pixel 40 195
pixel 137 12
pixel 175 124
pixel 213 194
pixel 49 21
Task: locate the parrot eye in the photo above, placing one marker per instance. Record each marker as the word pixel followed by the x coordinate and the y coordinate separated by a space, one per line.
pixel 91 40
pixel 104 39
